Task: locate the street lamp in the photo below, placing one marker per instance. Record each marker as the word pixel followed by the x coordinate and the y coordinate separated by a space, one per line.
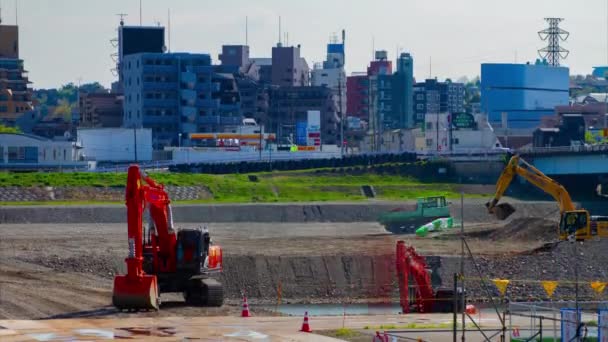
pixel 179 140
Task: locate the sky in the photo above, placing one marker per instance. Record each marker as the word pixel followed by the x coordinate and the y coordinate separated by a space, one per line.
pixel 66 41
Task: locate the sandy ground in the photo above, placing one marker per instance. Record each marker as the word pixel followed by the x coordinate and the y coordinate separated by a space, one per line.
pixel 223 328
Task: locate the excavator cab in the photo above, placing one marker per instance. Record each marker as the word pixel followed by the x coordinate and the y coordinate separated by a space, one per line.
pixel 575 223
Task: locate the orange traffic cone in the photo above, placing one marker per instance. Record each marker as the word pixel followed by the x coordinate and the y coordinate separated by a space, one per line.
pixel 305 325
pixel 245 312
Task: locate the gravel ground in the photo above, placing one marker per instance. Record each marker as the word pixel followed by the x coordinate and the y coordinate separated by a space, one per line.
pixel 66 270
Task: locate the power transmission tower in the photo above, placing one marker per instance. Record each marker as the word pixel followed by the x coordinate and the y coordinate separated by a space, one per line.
pixel 554 34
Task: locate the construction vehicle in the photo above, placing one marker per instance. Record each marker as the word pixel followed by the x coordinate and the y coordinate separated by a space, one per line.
pixel 425 298
pixel 161 258
pixel 404 221
pixel 575 223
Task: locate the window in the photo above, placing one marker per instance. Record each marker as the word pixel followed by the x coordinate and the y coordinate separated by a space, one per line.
pixel 138 113
pixel 420 106
pixel 137 97
pixel 420 97
pixel 138 63
pixel 455 141
pixel 64 154
pixel 137 80
pixel 129 65
pixel 429 125
pixel 429 142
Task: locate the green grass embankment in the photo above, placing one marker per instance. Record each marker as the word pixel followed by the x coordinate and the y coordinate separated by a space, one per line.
pixel 284 186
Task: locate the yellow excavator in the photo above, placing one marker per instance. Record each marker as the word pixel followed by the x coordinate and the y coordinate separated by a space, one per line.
pixel 575 223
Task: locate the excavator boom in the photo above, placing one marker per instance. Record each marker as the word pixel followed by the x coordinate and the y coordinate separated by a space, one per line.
pixel 518 166
pixel 135 290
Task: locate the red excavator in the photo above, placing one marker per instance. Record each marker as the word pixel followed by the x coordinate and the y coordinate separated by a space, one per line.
pixel 410 263
pixel 162 259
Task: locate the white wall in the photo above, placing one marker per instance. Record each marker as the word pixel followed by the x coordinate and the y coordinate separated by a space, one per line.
pixel 483 138
pixel 49 152
pixel 115 144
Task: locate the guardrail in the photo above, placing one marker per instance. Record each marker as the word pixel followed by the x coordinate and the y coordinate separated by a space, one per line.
pixel 564 149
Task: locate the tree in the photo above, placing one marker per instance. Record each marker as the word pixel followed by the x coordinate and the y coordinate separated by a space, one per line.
pixel 64 110
pixel 8 129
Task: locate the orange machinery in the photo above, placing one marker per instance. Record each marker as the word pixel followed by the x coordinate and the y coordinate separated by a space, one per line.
pixel 162 258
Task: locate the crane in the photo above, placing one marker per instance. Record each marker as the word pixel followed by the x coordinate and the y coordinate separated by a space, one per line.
pixel 163 259
pixel 573 222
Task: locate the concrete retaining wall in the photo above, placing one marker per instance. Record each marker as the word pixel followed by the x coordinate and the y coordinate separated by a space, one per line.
pixel 322 212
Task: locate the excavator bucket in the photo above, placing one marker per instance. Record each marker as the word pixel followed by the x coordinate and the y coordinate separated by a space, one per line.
pixel 135 293
pixel 503 211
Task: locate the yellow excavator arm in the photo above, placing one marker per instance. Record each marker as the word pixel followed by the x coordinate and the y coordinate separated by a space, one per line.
pixel 520 167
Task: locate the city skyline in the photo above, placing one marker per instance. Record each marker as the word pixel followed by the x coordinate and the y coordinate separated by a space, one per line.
pixel 458 36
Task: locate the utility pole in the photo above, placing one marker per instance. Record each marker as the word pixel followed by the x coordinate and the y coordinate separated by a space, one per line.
pixel 135 141
pixel 462 264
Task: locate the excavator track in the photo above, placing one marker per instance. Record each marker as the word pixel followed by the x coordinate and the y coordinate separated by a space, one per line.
pixel 215 292
pixel 204 292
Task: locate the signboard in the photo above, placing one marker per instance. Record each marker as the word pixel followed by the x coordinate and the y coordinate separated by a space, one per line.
pixel 301 133
pixel 463 120
pixel 314 127
pixel 569 319
pixel 314 121
pixel 602 326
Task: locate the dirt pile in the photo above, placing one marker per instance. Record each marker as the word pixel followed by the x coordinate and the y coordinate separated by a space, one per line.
pixel 530 228
pixel 525 271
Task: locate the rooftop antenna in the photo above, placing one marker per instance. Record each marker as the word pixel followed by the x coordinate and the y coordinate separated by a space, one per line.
pixel 430 67
pixel 554 34
pixel 169 29
pixel 140 14
pixel 122 18
pixel 287 38
pixel 16 13
pixel 373 47
pixel 343 47
pixel 280 31
pixel 247 31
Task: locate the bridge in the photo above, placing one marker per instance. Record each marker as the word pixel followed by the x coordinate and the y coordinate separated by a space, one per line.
pixel 572 160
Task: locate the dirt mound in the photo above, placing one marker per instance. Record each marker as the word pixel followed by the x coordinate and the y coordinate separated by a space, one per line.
pixel 531 228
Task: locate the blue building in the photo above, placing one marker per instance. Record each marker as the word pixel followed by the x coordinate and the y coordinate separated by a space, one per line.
pixel 403 93
pixel 171 93
pixel 524 92
pixel 600 71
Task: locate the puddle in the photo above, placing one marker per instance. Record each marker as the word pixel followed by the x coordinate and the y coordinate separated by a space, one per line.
pixel 105 334
pixel 333 309
pixel 248 334
pixel 156 331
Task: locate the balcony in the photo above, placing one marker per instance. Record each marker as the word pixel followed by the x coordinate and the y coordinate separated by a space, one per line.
pixel 160 103
pixel 159 69
pixel 188 111
pixel 208 103
pixel 188 77
pixel 160 85
pixel 188 95
pixel 210 119
pixel 230 120
pixel 207 87
pixel 158 119
pixel 201 68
